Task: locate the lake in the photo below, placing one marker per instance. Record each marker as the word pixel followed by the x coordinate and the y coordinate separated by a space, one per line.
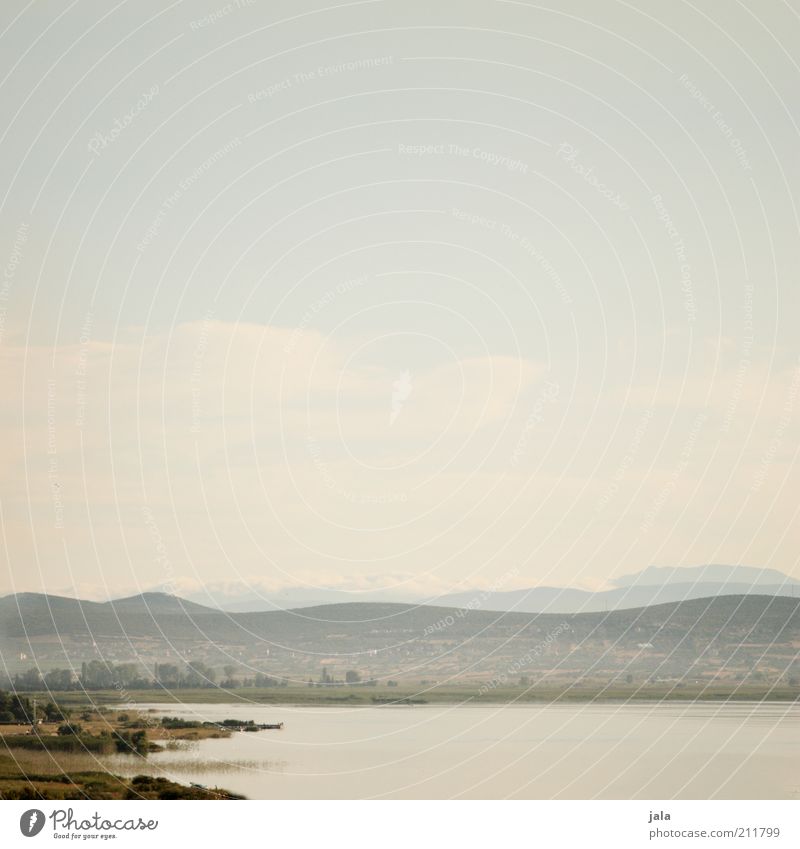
pixel 611 751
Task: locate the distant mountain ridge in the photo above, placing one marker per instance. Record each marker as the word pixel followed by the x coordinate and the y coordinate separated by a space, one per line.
pixel 653 585
pixel 710 573
pixel 557 600
pixel 162 602
pixel 150 601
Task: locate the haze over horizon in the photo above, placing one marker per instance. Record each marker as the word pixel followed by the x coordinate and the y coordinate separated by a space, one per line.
pixel 694 582
pixel 477 296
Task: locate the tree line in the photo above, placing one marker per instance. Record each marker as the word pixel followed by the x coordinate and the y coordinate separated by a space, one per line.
pixel 97 675
pixel 16 708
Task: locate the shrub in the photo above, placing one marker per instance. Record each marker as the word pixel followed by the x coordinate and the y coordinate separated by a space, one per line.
pixel 177 722
pixel 134 742
pixel 70 743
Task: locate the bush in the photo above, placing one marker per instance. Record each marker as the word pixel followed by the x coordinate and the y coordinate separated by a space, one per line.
pixel 177 722
pixel 132 742
pixel 53 713
pixel 149 787
pixel 70 743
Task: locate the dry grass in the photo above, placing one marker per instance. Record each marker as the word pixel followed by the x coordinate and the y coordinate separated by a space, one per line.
pixel 30 762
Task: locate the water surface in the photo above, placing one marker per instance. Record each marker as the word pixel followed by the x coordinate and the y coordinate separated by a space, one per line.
pixel 631 751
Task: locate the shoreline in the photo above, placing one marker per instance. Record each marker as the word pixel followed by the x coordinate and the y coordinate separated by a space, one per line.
pixel 421 697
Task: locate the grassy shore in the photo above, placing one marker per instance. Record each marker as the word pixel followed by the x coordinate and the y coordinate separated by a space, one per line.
pixel 19 779
pixel 49 765
pixel 435 694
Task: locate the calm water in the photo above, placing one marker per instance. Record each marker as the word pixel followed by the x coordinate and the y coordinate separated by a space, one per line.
pixel 534 752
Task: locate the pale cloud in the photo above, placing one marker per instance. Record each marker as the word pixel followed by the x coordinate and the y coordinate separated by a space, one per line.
pixel 212 427
pixel 332 361
pixel 266 456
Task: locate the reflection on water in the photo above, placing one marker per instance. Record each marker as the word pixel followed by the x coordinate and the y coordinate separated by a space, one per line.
pixel 194 766
pixel 692 751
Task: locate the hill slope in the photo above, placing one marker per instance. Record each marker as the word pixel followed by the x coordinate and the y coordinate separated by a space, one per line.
pixel 728 635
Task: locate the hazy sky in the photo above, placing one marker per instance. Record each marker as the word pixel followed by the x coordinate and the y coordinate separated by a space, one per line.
pixel 396 295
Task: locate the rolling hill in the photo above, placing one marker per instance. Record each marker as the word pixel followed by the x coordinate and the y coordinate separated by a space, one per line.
pixel 741 635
